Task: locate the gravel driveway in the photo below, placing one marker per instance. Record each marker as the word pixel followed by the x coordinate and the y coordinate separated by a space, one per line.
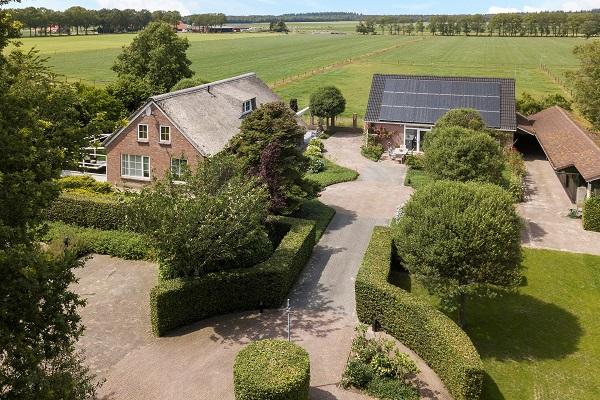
pixel 196 362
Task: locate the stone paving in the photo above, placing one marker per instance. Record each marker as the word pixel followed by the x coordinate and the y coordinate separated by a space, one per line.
pixel 196 362
pixel 545 212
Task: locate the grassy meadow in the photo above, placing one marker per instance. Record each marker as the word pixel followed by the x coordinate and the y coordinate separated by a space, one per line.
pixel 310 56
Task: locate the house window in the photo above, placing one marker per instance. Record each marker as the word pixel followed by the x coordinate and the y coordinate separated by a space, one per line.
pixel 414 137
pixel 133 166
pixel 142 133
pixel 165 134
pixel 178 168
pixel 248 106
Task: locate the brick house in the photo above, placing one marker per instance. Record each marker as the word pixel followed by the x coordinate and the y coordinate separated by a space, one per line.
pixel 403 108
pixel 176 130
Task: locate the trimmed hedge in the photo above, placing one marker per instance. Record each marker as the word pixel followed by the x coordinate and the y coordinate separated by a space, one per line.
pixel 104 212
pixel 591 214
pixel 178 302
pixel 432 335
pixel 126 245
pixel 272 370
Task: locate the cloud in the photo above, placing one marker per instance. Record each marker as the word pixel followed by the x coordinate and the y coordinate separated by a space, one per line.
pixel 578 5
pixel 152 5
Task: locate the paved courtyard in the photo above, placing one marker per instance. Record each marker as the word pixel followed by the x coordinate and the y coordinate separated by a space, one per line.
pixel 545 212
pixel 196 362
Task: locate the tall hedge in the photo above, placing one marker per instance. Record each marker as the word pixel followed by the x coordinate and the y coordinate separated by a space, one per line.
pixel 432 335
pixel 272 370
pixel 104 212
pixel 591 214
pixel 178 302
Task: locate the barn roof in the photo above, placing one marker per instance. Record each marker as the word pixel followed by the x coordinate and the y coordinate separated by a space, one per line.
pixel 424 99
pixel 565 142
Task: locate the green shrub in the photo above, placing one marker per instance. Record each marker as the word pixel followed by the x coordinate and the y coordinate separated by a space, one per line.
pixel 514 175
pixel 86 183
pixel 106 212
pixel 372 150
pixel 391 389
pixel 272 370
pixel 313 151
pixel 215 221
pixel 460 154
pixel 126 245
pixel 422 328
pixel 591 214
pixel 315 164
pixel 318 212
pixel 463 117
pixel 318 143
pixel 357 374
pixel 178 302
pixel 415 161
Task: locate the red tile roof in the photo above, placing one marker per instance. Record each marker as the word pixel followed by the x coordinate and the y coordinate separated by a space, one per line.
pixel 565 142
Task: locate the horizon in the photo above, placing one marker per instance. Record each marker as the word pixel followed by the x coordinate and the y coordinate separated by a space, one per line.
pixel 272 7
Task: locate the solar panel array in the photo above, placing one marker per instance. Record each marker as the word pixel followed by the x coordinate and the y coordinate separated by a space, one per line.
pixel 425 101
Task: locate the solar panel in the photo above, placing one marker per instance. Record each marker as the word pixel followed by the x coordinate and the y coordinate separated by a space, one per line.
pixel 425 101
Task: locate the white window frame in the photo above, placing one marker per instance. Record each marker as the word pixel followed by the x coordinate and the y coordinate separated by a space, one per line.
pixel 126 168
pixel 247 107
pixel 160 134
pixel 419 129
pixel 147 138
pixel 177 176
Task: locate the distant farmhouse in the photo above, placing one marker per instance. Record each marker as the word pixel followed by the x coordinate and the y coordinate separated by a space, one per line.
pixel 403 108
pixel 178 129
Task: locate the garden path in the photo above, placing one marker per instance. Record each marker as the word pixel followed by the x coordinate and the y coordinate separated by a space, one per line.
pixel 196 362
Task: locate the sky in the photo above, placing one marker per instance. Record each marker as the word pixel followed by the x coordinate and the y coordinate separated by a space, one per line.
pixel 276 7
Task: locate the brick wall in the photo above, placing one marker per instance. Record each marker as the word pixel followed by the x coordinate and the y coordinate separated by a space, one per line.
pixel 396 139
pixel 160 154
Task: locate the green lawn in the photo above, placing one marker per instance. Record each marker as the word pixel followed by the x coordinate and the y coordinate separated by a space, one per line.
pixel 332 174
pixel 416 178
pixel 277 56
pixel 542 343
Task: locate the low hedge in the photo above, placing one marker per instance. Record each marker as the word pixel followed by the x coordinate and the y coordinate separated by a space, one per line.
pixel 432 335
pixel 106 212
pixel 178 302
pixel 272 370
pixel 126 245
pixel 591 214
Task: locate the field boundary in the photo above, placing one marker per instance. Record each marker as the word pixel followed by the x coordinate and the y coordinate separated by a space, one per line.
pixel 318 71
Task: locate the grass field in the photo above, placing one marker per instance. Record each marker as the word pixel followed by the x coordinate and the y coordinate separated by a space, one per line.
pixel 542 343
pixel 297 63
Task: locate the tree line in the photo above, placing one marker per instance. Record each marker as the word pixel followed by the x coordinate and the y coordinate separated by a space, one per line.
pixel 508 24
pixel 42 21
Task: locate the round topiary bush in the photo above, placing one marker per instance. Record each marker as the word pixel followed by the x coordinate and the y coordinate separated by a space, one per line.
pixel 272 370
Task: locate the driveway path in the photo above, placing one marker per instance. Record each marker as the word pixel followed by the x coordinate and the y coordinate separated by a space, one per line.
pixel 545 211
pixel 196 362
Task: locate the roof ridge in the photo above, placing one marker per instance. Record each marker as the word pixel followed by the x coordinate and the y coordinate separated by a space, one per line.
pixel 195 89
pixel 468 78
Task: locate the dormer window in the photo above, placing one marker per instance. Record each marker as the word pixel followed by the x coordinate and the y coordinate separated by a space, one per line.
pixel 249 106
pixel 142 135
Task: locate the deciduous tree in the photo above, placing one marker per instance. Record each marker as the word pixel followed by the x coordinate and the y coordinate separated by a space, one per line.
pixel 460 239
pixel 586 81
pixel 327 102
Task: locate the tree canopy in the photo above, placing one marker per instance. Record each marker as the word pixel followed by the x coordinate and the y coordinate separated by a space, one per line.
pixel 38 319
pixel 157 55
pixel 459 154
pixel 460 238
pixel 463 117
pixel 327 102
pixel 216 221
pixel 586 81
pixel 528 105
pixel 269 146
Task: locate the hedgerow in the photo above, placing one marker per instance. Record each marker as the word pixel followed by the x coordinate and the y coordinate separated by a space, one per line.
pixel 422 328
pixel 127 245
pixel 272 370
pixel 178 302
pixel 106 212
pixel 591 214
